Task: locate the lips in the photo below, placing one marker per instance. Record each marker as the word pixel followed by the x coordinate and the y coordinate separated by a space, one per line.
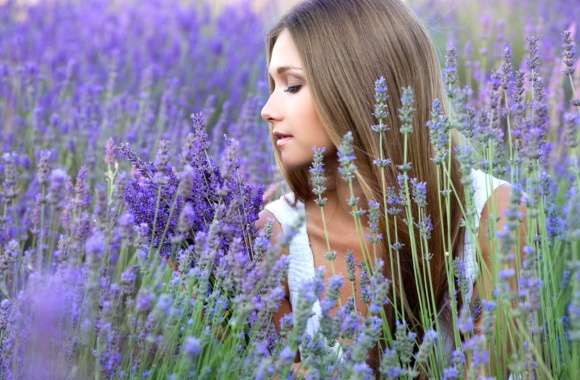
pixel 282 138
pixel 280 135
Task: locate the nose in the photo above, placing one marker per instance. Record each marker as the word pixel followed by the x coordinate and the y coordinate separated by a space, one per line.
pixel 267 112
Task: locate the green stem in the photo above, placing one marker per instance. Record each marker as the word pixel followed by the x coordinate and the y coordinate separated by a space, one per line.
pixel 394 285
pixel 157 202
pixel 410 227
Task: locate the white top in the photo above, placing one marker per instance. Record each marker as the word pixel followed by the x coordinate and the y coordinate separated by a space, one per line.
pixel 301 268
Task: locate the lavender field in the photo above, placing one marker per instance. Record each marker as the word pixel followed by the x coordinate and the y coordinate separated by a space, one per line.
pixel 134 165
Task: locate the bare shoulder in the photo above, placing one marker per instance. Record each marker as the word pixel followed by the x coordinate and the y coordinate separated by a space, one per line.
pixel 264 217
pixel 499 202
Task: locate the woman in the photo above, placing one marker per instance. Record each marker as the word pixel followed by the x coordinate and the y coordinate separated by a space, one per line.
pixel 323 58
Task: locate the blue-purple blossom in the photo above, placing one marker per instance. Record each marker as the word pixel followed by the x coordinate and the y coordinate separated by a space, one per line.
pixel 381 111
pixel 465 322
pixel 404 342
pixel 346 157
pixel 374 221
pixel 406 112
pixel 363 371
pixel 192 347
pixel 286 356
pixel 450 373
pixel 479 355
pixel 317 176
pixel 426 346
pixel 439 132
pixel 144 302
pixel 450 71
pixel 419 191
pixel 568 53
pixel 507 78
pixel 350 265
pixel 389 366
pixel 95 245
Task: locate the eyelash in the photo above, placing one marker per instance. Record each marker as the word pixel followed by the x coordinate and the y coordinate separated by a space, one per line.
pixel 293 89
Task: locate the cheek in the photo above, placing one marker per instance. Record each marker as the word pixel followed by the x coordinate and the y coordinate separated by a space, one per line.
pixel 318 135
pixel 314 131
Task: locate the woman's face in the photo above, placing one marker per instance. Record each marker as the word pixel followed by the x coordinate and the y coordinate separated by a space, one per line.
pixel 290 109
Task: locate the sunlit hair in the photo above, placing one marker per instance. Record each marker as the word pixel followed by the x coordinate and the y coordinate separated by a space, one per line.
pixel 345 46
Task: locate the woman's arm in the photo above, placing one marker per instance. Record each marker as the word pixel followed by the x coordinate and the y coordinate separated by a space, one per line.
pixel 285 307
pixel 500 201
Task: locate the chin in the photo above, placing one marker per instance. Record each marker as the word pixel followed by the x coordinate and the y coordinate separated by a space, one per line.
pixel 295 166
pixel 292 162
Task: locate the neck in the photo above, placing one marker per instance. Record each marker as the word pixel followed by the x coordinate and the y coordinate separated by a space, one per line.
pixel 338 194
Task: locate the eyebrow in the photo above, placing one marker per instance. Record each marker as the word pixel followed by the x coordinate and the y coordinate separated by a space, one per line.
pixel 283 69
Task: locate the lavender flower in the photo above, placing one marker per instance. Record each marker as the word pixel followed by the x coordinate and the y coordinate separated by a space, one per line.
pixel 426 346
pixel 394 201
pixel 350 320
pixel 110 151
pixel 186 179
pixel 378 289
pixel 533 59
pixel 286 357
pixel 43 168
pixel 192 347
pixel 350 265
pixel 129 281
pixel 333 293
pixel 346 157
pixel 438 130
pixel 37 314
pixel 5 306
pixel 95 245
pixel 425 227
pixel 9 187
pixel 568 53
pixel 8 256
pixel 374 219
pixel 186 218
pixel 507 77
pixel 571 126
pixel 406 111
pixel 450 373
pixel 286 323
pixel 365 284
pixel 381 112
pixel 450 72
pixel 404 343
pixel 390 366
pixel 317 177
pixel 363 371
pixel 465 323
pixel 574 307
pixel 479 354
pixel 458 359
pixel 419 191
pixel 144 302
pixel 126 223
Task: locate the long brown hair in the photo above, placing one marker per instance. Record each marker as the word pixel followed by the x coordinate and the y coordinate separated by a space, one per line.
pixel 345 46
